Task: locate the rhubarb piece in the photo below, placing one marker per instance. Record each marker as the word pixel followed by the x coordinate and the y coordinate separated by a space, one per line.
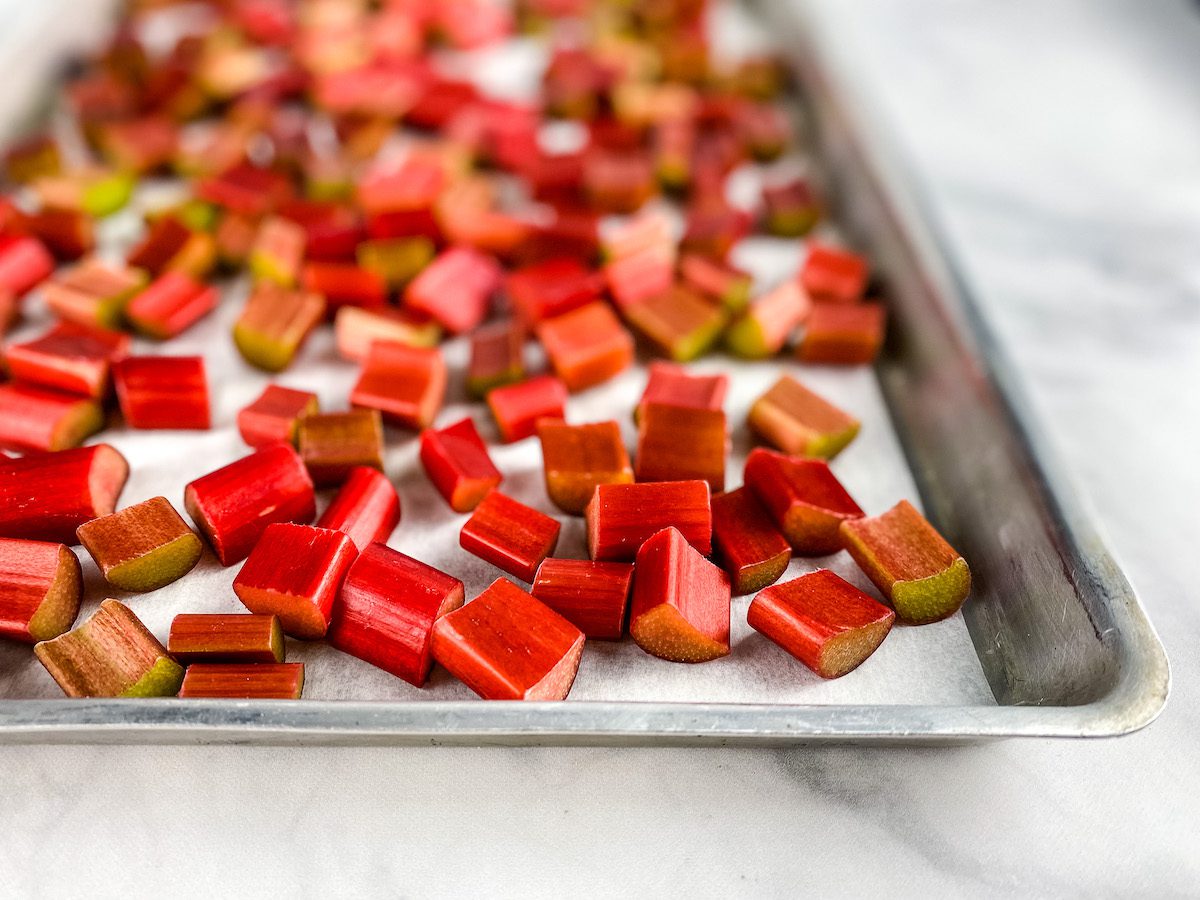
pixel 793 419
pixel 41 585
pixel 618 182
pixel 295 572
pixel 277 252
pixel 751 549
pixel 587 346
pixel 226 638
pixel 275 415
pixel 387 609
pixel 764 328
pixel 789 209
pixel 331 444
pixel 45 497
pixel 75 362
pixel 32 418
pixel 678 323
pixel 139 145
pixel 724 285
pixel 674 385
pixel 910 562
pixel 804 497
pixel 231 681
pixel 510 535
pixel 822 620
pixel 551 288
pixel 366 508
pixel 170 245
pixel 636 278
pixel 680 606
pixel 457 462
pixel 93 190
pixel 518 407
pixel 765 130
pixel 170 305
pixel 396 260
pixel 24 264
pixel 274 325
pixel 497 357
pixel 234 504
pixel 32 157
pixel 455 289
pixel 505 645
pixel 93 293
pixel 592 596
pixel 163 392
pixel 713 227
pixel 621 517
pixel 406 384
pixel 143 547
pixel 680 443
pixel 832 275
pixel 112 654
pixel 842 334
pixel 344 284
pixel 356 329
pixel 67 234
pixel 576 458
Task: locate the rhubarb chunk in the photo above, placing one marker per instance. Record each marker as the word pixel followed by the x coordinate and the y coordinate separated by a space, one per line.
pixel 35 419
pixel 331 444
pixel 277 251
pixel 41 585
pixel 576 458
pixel 275 415
pixel 518 407
pixel 170 305
pixel 551 288
pixel 387 610
pixel 295 572
pixel 804 497
pixel 724 285
pixel 678 323
pixel 357 329
pixel 227 681
pixel 457 462
pixel 676 386
pixel 163 392
pixel 790 209
pixel 510 535
pixel 406 384
pixel 455 289
pixel 505 645
pixel 832 275
pixel 751 549
pixel 622 517
pixel 592 596
pixel 842 334
pixel 366 509
pixel 226 638
pixel 586 346
pixel 680 606
pixel 112 654
pixel 396 260
pixel 765 327
pixel 274 324
pixel 47 496
pixel 497 357
pixel 143 547
pixel 912 565
pixel 793 419
pixel 344 284
pixel 93 293
pixel 77 362
pixel 680 443
pixel 822 620
pixel 24 264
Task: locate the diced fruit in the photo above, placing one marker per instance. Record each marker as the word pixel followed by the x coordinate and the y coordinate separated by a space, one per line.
pixel 767 324
pixel 356 329
pixel 274 324
pixel 35 419
pixel 172 246
pixel 275 415
pixel 344 284
pixel 94 190
pixel 832 275
pixel 232 681
pixel 457 462
pixel 41 585
pixel 722 284
pixel 576 458
pixel 396 260
pixel 170 305
pixel 518 407
pixel 790 209
pixel 497 357
pixel 226 638
pixel 804 497
pixel 277 251
pixel 143 547
pixel 793 419
pixel 587 346
pixel 77 362
pixel 455 289
pixel 93 293
pixel 842 334
pixel 24 264
pixel 331 444
pixel 46 496
pixel 681 443
pixel 68 234
pixel 675 386
pixel 640 276
pixel 592 596
pixel 163 391
pixel 366 508
pixel 678 323
pixel 550 288
pixel 510 535
pixel 751 549
pixel 621 517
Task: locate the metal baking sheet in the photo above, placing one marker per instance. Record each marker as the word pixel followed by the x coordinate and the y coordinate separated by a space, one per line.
pixel 1052 641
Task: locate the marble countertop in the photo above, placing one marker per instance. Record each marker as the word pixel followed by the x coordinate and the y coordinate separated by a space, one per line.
pixel 1061 142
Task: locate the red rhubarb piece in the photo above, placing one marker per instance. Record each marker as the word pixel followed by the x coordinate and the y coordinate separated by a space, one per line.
pixel 76 362
pixel 518 407
pixel 344 284
pixel 396 260
pixel 767 324
pixel 170 305
pixel 275 415
pixel 510 535
pixel 832 275
pixel 713 227
pixel 681 443
pixel 24 264
pixel 277 251
pixel 636 278
pixel 93 293
pixel 789 209
pixel 586 346
pixel 234 505
pixel 33 418
pixel 46 496
pixel 677 323
pixel 621 517
pixel 750 547
pixel 295 573
pixel 143 547
pixel 576 458
pixel 387 610
pixel 680 606
pixel 842 334
pixel 332 444
pixel 41 585
pixel 722 284
pixel 592 596
pixel 455 289
pixel 822 620
pixel 225 638
pixel 366 508
pixel 163 392
pixel 274 325
pixel 172 246
pixel 457 462
pixel 674 385
pixel 505 645
pixel 551 288
pixel 497 357
pixel 356 329
pixel 406 384
pixel 793 419
pixel 234 681
pixel 804 497
pixel 618 182
pixel 68 234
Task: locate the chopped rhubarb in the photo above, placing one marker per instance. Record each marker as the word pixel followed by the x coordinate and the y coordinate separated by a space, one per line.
pixel 804 497
pixel 910 562
pixel 764 328
pixel 790 209
pixel 170 305
pixel 678 323
pixel 275 415
pixel 344 284
pixel 680 606
pixel 713 227
pixel 163 391
pixel 274 324
pixel 234 681
pixel 681 443
pixel 551 288
pixel 822 620
pixel 765 130
pixel 143 547
pixel 396 260
pixel 41 585
pixel 722 284
pixel 295 573
pixel 366 508
pixel 234 504
pixel 455 289
pixel 586 346
pixel 24 264
pixel 277 251
pixel 69 235
pixel 77 362
pixel 93 293
pixel 621 517
pixel 592 596
pixel 618 182
pixel 226 638
pixel 33 418
pixel 750 547
pixel 172 246
pixel 832 275
pixel 457 462
pixel 387 609
pixel 576 458
pixel 505 645
pixel 674 385
pixel 510 535
pixel 842 334
pixel 46 496
pixel 406 384
pixel 793 419
pixel 518 407
pixel 356 329
pixel 94 190
pixel 640 276
pixel 112 654
pixel 497 357
pixel 32 157
pixel 332 444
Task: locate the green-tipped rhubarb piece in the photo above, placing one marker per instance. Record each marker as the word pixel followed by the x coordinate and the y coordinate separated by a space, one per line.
pixel 142 548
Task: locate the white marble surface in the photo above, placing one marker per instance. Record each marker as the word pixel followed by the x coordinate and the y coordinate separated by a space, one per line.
pixel 1062 141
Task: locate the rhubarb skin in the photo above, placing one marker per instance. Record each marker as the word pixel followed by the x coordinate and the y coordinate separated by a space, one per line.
pixel 505 645
pixel 586 346
pixel 387 609
pixel 678 323
pixel 295 573
pixel 765 327
pixel 680 606
pixel 331 444
pixel 455 289
pixel 274 325
pixel 550 288
pixel 723 284
pixel 344 284
pixel 457 462
pixel 35 419
pixel 910 562
pixel 24 264
pixel 674 385
pixel 680 443
pixel 576 458
pixel 592 596
pixel 76 363
pixel 233 681
pixel 170 305
pixel 833 275
pixel 143 547
pixel 226 638
pixel 622 517
pixel 406 384
pixel 822 620
pixel 41 586
pixel 804 497
pixel 163 392
pixel 234 504
pixel 842 334
pixel 277 251
pixel 112 654
pixel 510 535
pixel 366 508
pixel 274 415
pixel 357 329
pixel 751 548
pixel 793 419
pixel 93 293
pixel 518 407
pixel 47 496
pixel 497 357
